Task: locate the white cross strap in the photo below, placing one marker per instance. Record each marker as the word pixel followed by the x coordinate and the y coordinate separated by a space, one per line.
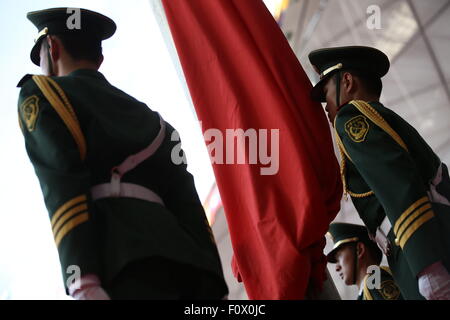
pixel 126 190
pixel 116 188
pixel 134 160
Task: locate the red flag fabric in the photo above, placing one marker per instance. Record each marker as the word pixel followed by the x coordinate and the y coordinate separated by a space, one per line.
pixel 242 74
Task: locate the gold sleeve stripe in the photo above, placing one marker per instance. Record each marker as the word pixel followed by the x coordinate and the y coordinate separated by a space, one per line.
pixel 66 206
pixel 64 112
pixel 376 118
pixel 413 216
pixel 71 224
pixel 407 212
pixel 69 214
pixel 416 225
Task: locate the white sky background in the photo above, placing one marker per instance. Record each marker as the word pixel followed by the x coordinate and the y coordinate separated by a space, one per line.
pixel 136 61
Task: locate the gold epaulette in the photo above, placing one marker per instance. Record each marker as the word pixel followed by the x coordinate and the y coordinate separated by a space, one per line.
pixel 58 99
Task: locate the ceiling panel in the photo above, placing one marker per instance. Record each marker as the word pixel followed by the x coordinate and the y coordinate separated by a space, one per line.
pixel 430 116
pixel 426 9
pixel 439 35
pixel 411 72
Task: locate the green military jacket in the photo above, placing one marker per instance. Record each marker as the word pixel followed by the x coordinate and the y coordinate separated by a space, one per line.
pixel 387 170
pixel 75 147
pixel 388 289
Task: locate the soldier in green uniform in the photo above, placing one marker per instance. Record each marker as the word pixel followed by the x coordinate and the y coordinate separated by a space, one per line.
pixel 399 186
pixel 357 258
pixel 123 213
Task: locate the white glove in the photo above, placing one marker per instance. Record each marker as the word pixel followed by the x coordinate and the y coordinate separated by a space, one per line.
pixel 88 288
pixel 434 282
pixel 383 242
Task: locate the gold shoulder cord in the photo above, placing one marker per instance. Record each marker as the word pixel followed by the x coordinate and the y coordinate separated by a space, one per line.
pixel 386 269
pixel 366 294
pixel 344 154
pixel 63 108
pixel 367 110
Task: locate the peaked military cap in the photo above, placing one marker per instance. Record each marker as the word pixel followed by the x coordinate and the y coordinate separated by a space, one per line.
pixel 328 61
pixel 342 233
pixel 92 25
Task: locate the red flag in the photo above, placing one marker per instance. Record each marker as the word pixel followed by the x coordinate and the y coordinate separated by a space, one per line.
pixel 242 74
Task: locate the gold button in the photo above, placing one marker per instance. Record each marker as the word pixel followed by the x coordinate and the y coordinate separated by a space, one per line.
pixel 397 242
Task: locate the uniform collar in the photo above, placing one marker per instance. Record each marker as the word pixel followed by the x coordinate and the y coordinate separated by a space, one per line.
pixel 361 287
pixel 347 103
pixel 87 73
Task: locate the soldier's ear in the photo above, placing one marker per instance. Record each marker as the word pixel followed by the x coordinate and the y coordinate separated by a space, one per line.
pixel 360 249
pixel 100 61
pixel 348 82
pixel 54 47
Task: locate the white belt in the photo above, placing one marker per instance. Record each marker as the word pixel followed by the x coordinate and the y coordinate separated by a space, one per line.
pixel 126 190
pixel 116 189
